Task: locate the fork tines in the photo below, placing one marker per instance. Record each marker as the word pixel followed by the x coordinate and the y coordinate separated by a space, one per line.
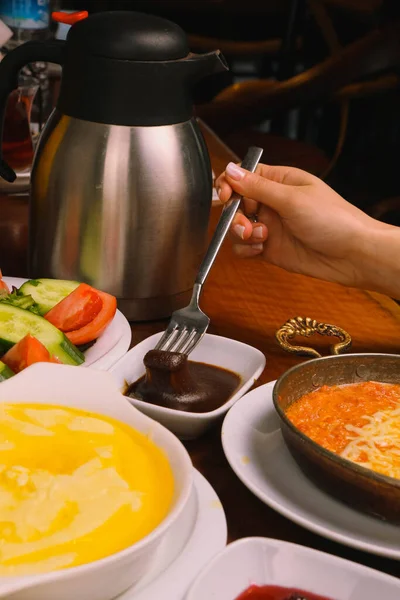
pixel 179 339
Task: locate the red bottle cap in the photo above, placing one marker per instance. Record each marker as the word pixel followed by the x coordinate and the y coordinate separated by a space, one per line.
pixel 69 18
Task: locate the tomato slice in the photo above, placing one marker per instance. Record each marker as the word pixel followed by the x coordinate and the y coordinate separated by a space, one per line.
pixel 3 285
pixel 25 353
pixel 75 311
pixel 95 328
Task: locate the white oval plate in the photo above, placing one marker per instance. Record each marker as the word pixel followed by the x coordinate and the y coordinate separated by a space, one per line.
pixel 256 451
pixel 262 561
pixel 196 537
pixel 110 346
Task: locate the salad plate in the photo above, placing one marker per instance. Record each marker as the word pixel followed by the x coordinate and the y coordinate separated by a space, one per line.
pixel 255 449
pixel 109 347
pixel 197 536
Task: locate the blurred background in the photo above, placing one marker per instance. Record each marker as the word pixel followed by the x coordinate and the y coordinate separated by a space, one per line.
pixel 316 83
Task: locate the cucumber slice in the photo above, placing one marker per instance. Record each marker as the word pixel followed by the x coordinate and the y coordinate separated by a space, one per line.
pixel 48 292
pixel 5 372
pixel 16 323
pixel 16 298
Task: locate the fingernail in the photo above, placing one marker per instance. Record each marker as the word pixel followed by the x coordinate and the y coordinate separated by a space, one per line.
pixel 235 172
pixel 239 230
pixel 257 246
pixel 258 232
pixel 219 192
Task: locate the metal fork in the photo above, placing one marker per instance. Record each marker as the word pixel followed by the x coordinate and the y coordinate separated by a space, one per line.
pixel 188 325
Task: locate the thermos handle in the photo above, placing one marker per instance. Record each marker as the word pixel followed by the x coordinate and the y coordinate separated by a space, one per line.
pixel 48 51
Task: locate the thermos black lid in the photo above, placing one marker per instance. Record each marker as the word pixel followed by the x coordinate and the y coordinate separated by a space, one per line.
pixel 128 35
pixel 129 68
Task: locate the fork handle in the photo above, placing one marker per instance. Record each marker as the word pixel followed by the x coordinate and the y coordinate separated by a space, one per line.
pixel 249 163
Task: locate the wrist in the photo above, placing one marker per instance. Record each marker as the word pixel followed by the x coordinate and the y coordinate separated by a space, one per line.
pixel 378 259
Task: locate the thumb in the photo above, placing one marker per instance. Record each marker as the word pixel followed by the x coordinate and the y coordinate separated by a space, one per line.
pixel 268 191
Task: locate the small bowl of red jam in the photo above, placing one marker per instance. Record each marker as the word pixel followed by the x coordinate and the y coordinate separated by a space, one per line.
pixel 188 394
pixel 266 569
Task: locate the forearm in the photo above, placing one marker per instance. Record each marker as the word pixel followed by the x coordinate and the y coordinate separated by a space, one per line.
pixel 379 260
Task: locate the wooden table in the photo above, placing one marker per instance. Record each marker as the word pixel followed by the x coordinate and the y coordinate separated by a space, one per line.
pixel 248 301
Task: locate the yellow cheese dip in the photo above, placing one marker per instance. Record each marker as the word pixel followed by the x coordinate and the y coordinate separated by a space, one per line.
pixel 74 487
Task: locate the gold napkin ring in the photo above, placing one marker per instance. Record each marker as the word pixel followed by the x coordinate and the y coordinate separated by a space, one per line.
pixel 306 327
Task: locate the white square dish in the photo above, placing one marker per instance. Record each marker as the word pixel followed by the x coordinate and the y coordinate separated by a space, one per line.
pixel 264 561
pixel 246 361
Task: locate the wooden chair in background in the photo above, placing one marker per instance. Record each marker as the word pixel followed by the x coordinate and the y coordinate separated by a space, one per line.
pixel 366 67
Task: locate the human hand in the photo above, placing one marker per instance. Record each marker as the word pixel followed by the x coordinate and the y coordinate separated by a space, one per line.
pixel 303 225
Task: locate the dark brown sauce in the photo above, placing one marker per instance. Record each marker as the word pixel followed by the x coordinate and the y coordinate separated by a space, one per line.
pixel 172 381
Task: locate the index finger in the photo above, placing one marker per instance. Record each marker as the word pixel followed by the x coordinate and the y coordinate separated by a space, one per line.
pixel 224 189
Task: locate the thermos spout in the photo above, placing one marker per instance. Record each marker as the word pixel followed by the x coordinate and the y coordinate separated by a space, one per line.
pixel 202 65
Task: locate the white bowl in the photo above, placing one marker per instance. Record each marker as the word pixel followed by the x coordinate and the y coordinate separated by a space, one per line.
pixel 263 561
pixel 246 361
pixel 95 391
